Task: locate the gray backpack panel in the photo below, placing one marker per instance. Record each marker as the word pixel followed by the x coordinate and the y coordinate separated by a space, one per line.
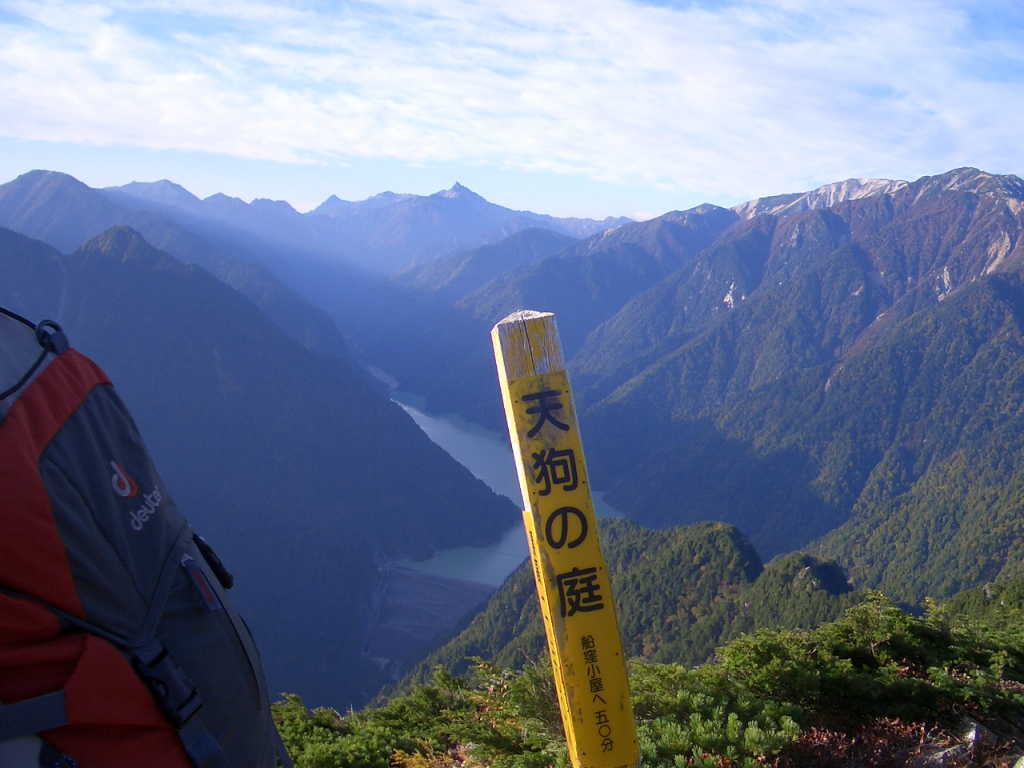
pixel 142 579
pixel 145 582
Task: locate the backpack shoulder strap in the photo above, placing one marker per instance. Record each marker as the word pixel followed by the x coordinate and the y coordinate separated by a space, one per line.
pixel 30 716
pixel 174 693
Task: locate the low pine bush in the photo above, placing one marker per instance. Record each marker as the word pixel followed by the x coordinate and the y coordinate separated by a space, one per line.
pixel 760 692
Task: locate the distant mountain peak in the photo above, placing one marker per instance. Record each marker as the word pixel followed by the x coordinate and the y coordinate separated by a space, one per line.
pixel 334 205
pixel 114 239
pixel 42 172
pixel 459 191
pixel 279 206
pixel 48 177
pixel 388 197
pixel 164 191
pixel 125 244
pixel 704 208
pixel 220 197
pixel 971 180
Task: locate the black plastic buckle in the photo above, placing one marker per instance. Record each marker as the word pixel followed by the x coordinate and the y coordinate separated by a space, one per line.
pixel 51 337
pixel 223 575
pixel 176 694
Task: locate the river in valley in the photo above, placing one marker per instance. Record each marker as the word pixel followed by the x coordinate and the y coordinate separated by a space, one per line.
pixel 488 456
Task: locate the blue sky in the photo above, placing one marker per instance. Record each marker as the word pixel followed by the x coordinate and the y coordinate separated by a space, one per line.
pixel 595 108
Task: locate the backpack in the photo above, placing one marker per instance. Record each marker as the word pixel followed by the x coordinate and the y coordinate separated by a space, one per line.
pixel 118 644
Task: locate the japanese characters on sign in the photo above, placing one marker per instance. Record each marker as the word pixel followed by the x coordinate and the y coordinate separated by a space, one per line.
pixel 604 727
pixel 559 521
pixel 578 590
pixel 556 468
pixel 572 581
pixel 547 403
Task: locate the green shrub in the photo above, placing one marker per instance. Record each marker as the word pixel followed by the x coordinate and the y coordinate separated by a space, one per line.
pixel 746 705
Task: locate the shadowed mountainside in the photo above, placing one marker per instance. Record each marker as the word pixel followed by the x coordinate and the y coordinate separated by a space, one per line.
pixel 297 470
pixel 62 211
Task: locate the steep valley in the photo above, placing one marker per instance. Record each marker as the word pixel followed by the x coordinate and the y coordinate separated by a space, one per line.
pixel 836 372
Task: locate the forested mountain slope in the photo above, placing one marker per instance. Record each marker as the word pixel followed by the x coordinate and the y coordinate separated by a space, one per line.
pixel 1001 605
pixel 941 469
pixel 864 373
pixel 679 594
pixel 295 468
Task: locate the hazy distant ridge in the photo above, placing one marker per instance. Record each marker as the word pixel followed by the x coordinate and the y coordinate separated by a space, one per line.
pixel 384 233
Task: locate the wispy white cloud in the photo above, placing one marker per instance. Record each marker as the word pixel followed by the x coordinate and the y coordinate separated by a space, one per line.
pixel 732 98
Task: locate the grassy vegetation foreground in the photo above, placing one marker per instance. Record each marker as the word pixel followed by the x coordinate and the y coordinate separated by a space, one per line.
pixel 759 695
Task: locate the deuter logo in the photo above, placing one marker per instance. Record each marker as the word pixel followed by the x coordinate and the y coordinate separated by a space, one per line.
pixel 140 516
pixel 123 485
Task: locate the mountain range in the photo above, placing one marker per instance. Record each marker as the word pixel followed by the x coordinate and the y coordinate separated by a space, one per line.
pixel 382 234
pixel 63 212
pixel 268 250
pixel 833 378
pixel 834 370
pixel 810 369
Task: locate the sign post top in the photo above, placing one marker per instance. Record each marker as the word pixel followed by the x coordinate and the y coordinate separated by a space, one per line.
pixel 528 344
pixel 525 314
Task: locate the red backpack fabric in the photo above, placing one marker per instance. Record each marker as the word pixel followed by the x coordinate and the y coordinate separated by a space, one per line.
pixel 118 644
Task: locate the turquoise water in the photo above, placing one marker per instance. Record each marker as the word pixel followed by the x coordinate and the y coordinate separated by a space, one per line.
pixel 488 456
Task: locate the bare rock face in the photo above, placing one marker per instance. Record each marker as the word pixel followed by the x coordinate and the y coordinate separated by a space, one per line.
pixel 973 734
pixel 977 745
pixel 952 757
pixel 822 197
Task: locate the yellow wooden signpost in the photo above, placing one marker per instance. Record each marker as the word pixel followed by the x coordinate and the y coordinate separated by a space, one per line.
pixel 572 581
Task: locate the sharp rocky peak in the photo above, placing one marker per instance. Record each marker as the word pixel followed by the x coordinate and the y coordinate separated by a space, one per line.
pixel 459 191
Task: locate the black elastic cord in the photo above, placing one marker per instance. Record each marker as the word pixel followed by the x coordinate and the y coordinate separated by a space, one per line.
pixel 15 316
pixel 55 342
